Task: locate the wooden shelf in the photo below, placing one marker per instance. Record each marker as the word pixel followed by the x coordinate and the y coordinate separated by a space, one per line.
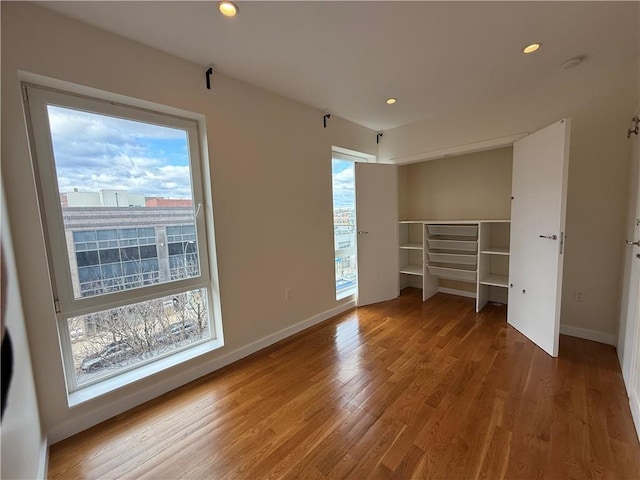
pixel 411 269
pixel 495 280
pixel 495 250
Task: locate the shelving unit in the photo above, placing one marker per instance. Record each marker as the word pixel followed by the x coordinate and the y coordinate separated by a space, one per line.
pixel 452 253
pixel 411 254
pixel 475 252
pixel 493 263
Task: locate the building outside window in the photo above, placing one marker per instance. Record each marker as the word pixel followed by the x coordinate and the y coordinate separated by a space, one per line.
pixel 127 239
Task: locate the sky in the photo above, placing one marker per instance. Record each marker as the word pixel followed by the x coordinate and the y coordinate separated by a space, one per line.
pixel 344 194
pixel 95 152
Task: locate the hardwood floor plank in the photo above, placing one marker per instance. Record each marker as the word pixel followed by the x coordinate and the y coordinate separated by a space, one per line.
pixel 397 390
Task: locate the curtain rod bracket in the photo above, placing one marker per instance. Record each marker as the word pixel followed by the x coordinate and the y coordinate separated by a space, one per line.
pixel 207 75
pixel 636 121
pixel 324 119
pixel 378 135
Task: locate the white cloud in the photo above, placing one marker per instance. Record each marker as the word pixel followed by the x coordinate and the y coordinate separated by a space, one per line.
pixel 94 152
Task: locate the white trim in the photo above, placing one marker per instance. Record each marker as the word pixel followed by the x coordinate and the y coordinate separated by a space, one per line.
pixel 82 422
pixel 349 155
pixel 43 461
pixel 460 149
pixel 593 335
pixel 634 404
pixel 101 387
pixel 455 291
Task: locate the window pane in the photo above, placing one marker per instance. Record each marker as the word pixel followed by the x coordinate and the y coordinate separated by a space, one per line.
pixel 117 174
pixel 344 228
pixel 87 258
pixel 127 233
pixel 107 234
pixel 113 340
pixel 84 236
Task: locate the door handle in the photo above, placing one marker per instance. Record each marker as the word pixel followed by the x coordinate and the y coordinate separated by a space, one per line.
pixel 550 237
pixel 361 232
pixel 636 244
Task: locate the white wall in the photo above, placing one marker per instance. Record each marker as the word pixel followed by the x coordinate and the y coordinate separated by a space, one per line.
pixel 23 443
pixel 271 179
pixel 600 102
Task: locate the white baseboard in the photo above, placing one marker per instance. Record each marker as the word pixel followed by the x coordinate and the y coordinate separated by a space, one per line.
pixel 82 422
pixel 634 403
pixel 454 291
pixel 43 461
pixel 593 335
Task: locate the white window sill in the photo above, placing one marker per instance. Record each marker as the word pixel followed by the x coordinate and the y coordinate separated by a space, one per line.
pixel 85 394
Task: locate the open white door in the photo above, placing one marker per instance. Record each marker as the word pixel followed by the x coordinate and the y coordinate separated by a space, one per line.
pixel 540 165
pixel 629 329
pixel 377 224
pixel 629 321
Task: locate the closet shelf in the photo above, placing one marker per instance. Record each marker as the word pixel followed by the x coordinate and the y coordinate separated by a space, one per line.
pixel 411 269
pixel 456 258
pixel 453 273
pixel 457 245
pixel 456 230
pixel 495 250
pixel 495 280
pixel 411 246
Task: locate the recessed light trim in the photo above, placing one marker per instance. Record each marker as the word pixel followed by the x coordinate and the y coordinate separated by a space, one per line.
pixel 391 100
pixel 531 48
pixel 228 8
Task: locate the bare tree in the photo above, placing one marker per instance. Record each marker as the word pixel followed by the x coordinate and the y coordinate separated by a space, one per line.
pixel 132 333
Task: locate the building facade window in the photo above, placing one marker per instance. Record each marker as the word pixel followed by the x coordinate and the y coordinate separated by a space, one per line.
pixel 121 191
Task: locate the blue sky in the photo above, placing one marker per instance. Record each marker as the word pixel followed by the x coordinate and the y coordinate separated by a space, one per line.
pixel 344 194
pixel 94 152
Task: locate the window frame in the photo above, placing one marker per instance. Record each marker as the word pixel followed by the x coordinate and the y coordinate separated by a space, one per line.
pixel 37 98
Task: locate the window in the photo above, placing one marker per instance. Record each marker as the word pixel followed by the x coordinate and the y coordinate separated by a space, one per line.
pixel 344 226
pixel 122 195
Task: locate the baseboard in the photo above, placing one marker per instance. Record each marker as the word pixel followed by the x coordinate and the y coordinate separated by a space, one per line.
pixel 593 335
pixel 634 403
pixel 83 422
pixel 454 291
pixel 43 461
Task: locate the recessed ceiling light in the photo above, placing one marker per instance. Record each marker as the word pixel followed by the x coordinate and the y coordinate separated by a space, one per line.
pixel 531 48
pixel 391 101
pixel 227 8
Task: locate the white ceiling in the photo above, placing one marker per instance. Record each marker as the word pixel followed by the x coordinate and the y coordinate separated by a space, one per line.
pixel 348 57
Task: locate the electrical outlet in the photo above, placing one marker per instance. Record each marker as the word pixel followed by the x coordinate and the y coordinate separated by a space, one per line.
pixel 578 296
pixel 287 294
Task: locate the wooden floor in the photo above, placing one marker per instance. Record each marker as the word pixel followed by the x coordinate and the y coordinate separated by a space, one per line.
pixel 401 389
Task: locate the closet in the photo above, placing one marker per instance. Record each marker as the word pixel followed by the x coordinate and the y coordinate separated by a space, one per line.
pixel 475 252
pixel 515 257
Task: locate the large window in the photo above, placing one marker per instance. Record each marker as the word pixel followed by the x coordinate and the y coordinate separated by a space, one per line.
pixel 122 196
